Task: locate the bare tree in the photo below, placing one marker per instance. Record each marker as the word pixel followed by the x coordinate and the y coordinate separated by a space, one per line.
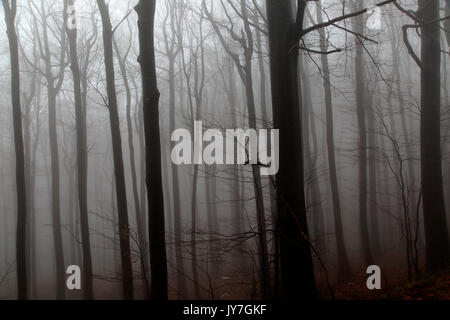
pixel 54 84
pixel 10 16
pixel 246 41
pixel 436 232
pixel 121 193
pixel 82 157
pixel 343 263
pixel 150 97
pixel 141 229
pixel 297 274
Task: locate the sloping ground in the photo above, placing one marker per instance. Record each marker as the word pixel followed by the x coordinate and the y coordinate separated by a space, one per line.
pixel 427 288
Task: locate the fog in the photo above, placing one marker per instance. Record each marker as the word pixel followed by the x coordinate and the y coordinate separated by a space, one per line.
pixel 213 65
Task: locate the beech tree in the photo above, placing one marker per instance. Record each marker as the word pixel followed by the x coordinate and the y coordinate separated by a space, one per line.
pixel 150 97
pixel 10 9
pixel 121 192
pixel 82 158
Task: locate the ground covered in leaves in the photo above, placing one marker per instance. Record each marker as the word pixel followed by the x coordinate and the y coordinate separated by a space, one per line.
pixel 428 287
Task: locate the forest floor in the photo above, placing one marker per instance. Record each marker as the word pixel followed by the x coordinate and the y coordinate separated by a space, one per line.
pixel 427 288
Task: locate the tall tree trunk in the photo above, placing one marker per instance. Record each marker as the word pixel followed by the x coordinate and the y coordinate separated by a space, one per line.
pixel 297 273
pixel 311 159
pixel 362 132
pixel 29 154
pixel 194 261
pixel 150 96
pixel 343 263
pixel 210 196
pixel 373 193
pixel 181 283
pixel 265 119
pixel 53 87
pixel 124 229
pixel 436 232
pixel 408 141
pixel 56 201
pixel 259 196
pixel 237 196
pixel 141 230
pixel 10 16
pixel 82 157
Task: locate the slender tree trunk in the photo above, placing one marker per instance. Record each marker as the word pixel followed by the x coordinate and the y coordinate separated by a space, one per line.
pixel 181 283
pixel 343 263
pixel 408 141
pixel 56 201
pixel 29 180
pixel 266 124
pixel 10 15
pixel 124 229
pixel 362 132
pixel 260 212
pixel 194 261
pixel 373 196
pixel 311 159
pixel 82 158
pixel 210 196
pixel 53 87
pixel 150 96
pixel 141 230
pixel 237 196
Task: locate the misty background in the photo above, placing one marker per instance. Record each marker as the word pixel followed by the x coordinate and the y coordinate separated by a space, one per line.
pixel 198 46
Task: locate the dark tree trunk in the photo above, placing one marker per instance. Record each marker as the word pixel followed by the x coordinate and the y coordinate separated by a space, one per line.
pixel 436 232
pixel 297 274
pixel 82 158
pixel 150 96
pixel 10 15
pixel 124 230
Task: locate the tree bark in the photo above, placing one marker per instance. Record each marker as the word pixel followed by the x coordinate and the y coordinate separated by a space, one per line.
pixel 10 15
pixel 436 232
pixel 150 96
pixel 124 229
pixel 297 273
pixel 141 230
